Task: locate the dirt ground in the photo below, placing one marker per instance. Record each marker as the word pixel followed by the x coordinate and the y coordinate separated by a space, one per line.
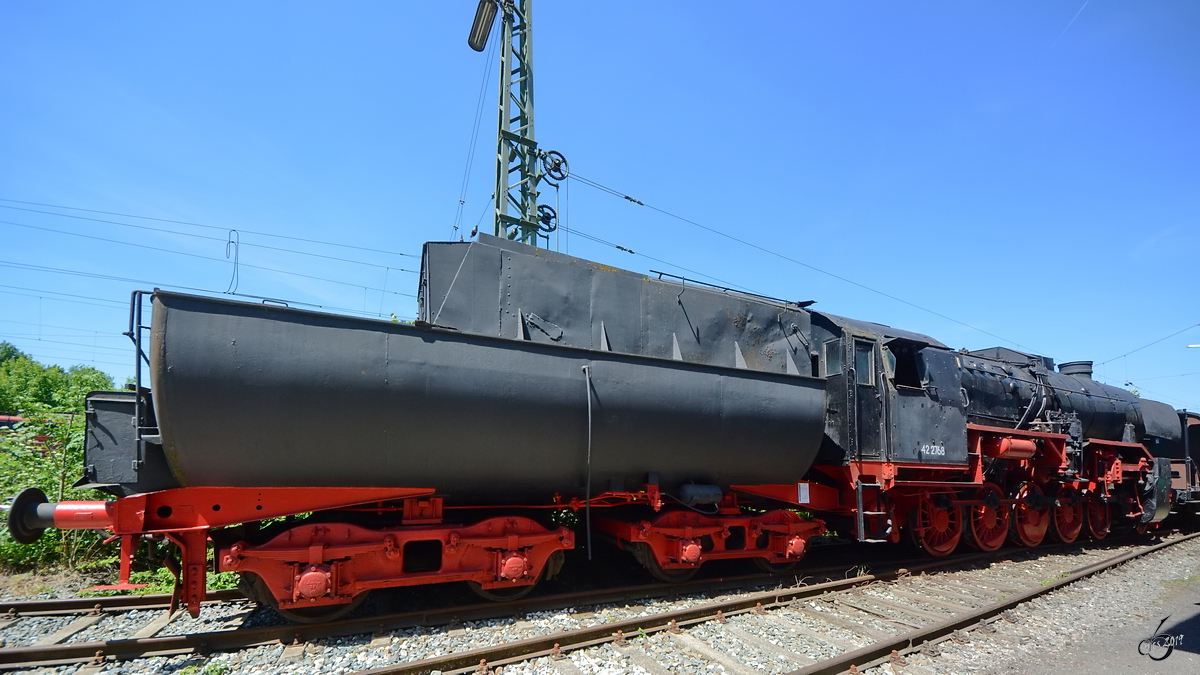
pixel 47 584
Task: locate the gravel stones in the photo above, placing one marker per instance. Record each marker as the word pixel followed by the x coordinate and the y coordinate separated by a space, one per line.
pixel 29 630
pixel 1119 603
pixel 775 641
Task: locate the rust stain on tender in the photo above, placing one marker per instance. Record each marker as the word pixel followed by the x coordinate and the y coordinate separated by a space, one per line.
pixel 609 268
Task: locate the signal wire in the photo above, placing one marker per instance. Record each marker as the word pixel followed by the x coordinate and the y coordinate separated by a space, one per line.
pixel 790 259
pixel 211 227
pixel 204 257
pixel 197 236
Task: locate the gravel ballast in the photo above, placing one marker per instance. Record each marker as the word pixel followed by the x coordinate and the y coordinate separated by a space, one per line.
pixel 1093 626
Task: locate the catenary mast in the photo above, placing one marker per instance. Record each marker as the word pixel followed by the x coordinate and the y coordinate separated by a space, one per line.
pixel 520 165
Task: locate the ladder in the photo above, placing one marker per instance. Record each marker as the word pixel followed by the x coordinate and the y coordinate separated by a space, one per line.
pixel 880 519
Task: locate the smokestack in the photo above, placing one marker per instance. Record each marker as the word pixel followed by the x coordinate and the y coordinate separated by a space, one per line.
pixel 1077 369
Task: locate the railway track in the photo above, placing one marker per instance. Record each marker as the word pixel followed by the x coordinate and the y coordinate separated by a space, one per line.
pixel 54 648
pixel 112 603
pixel 816 628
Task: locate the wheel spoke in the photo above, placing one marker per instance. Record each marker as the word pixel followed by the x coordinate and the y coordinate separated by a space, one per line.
pixel 989 523
pixel 1068 515
pixel 1030 517
pixel 934 529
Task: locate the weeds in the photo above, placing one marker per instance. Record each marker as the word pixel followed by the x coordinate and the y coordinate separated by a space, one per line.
pixel 214 668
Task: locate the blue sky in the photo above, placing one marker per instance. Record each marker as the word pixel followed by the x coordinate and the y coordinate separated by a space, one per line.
pixel 1015 173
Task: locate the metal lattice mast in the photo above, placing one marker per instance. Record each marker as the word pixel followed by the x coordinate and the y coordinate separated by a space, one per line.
pixel 520 166
pixel 517 174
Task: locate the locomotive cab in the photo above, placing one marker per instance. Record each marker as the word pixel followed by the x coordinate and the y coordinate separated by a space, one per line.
pixel 892 396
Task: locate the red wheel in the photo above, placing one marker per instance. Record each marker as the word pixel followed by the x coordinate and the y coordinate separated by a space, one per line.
pixel 935 529
pixel 1067 522
pixel 1030 517
pixel 1099 518
pixel 645 555
pixel 989 521
pixel 257 590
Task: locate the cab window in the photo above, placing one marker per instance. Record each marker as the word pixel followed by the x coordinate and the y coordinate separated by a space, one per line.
pixel 833 357
pixel 907 366
pixel 864 361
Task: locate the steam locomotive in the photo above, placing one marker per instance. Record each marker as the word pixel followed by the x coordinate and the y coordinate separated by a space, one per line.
pixel 324 456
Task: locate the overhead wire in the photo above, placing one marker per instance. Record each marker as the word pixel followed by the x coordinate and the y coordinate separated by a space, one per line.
pixel 108 277
pixel 598 240
pixel 74 302
pixel 62 342
pixel 485 210
pixel 595 185
pixel 46 355
pixel 96 335
pixel 466 180
pixel 777 254
pixel 211 227
pixel 1168 337
pixel 47 325
pixel 205 257
pixel 116 303
pixel 1157 395
pixel 196 236
pixel 1163 377
pixel 571 230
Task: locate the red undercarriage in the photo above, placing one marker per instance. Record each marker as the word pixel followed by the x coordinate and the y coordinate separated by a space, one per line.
pixel 325 562
pixel 941 505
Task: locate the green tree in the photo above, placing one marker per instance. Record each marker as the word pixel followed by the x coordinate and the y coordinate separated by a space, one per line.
pixel 46 450
pixel 8 351
pixel 26 385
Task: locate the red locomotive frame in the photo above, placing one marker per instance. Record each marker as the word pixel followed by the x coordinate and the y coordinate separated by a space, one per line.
pixel 328 563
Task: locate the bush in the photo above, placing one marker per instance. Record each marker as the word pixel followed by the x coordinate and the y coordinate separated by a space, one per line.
pixel 46 451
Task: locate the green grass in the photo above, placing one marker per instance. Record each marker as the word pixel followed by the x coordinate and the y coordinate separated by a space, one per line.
pixel 214 668
pixel 161 581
